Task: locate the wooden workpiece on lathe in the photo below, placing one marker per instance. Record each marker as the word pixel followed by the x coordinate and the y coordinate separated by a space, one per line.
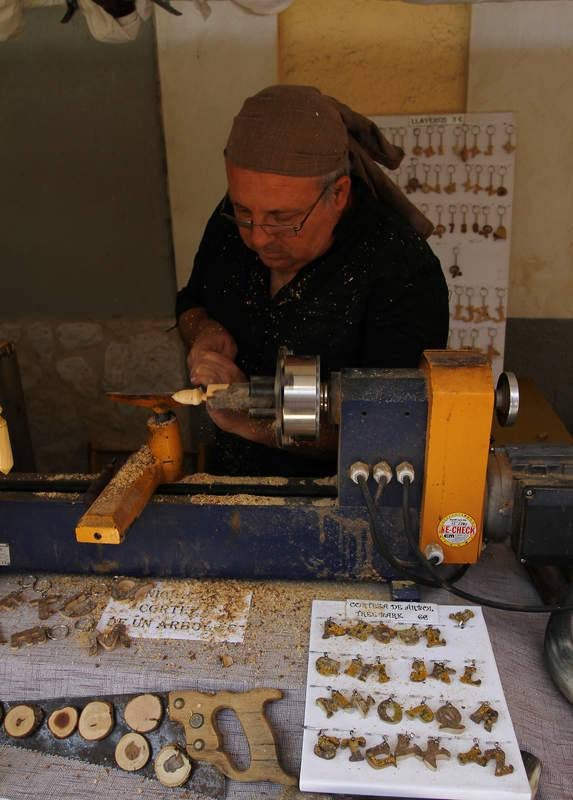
pixel 194 397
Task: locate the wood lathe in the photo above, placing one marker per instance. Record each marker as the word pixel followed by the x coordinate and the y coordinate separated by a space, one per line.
pixel 433 424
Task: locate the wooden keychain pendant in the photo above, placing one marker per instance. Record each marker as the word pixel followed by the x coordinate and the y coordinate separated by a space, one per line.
pixel 417 150
pixel 429 151
pixel 451 186
pixel 474 150
pixel 490 132
pixel 500 233
pixel 509 147
pixel 413 184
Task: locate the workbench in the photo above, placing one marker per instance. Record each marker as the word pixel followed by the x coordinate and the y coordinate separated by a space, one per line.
pixel 273 654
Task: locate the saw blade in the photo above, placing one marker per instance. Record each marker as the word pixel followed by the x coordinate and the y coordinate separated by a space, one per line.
pixel 205 778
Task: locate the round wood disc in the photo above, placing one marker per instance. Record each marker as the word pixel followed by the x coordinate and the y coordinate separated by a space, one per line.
pixel 172 766
pixel 132 752
pixel 22 720
pixel 96 721
pixel 143 713
pixel 63 721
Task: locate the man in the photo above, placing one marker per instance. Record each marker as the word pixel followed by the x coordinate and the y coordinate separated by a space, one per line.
pixel 313 248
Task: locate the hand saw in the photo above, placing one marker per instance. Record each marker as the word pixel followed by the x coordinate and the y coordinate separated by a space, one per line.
pixel 189 720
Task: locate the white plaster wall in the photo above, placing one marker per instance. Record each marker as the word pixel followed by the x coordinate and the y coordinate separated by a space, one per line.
pixel 206 68
pixel 521 59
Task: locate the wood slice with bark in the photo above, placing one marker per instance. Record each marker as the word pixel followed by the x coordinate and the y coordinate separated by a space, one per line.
pixel 143 713
pixel 22 720
pixel 132 752
pixel 172 766
pixel 96 721
pixel 63 721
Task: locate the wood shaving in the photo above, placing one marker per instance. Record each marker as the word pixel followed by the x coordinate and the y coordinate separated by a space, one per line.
pixel 205 477
pixel 236 500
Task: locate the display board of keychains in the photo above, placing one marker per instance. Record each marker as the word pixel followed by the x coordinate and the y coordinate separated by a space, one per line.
pixel 459 170
pixel 404 700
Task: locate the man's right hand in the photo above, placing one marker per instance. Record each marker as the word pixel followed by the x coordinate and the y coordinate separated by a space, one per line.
pixel 204 335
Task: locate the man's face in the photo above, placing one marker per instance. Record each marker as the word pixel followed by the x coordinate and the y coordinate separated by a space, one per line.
pixel 282 200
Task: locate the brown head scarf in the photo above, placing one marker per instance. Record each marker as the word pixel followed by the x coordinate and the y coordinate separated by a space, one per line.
pixel 298 131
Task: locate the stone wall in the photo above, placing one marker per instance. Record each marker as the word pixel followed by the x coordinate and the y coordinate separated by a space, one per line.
pixel 66 368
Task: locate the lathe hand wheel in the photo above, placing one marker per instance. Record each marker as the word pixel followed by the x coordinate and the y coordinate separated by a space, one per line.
pixel 507 399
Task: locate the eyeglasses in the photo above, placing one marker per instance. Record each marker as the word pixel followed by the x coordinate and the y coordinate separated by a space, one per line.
pixel 276 229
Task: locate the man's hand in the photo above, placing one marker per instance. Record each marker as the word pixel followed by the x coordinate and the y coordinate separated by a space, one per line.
pixel 204 335
pixel 208 366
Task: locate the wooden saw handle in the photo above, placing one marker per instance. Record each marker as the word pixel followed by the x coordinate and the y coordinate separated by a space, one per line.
pixel 197 712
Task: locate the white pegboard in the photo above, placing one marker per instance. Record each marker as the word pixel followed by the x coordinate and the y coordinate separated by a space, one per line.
pixel 465 166
pixel 411 778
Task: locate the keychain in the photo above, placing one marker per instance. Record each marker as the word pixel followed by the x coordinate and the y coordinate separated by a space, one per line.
pixel 498 755
pixel 457 136
pixel 472 756
pixel 462 346
pixel 500 232
pixel 433 637
pixel 383 633
pixel 500 307
pixel 440 229
pixel 464 225
pixel 441 131
pixel 393 132
pixel 481 314
pixel 432 752
pixel 459 290
pixel 437 173
pixel 451 186
pixel 429 151
pixel 441 671
pixel 363 704
pixel 464 152
pixel 326 746
pixel 327 666
pixel 354 743
pixel 417 150
pixel 469 305
pixel 413 183
pixel 452 210
pixel 422 712
pixel 490 189
pixel 468 676
pixel 380 756
pixel 390 711
pixel 501 191
pixel 449 718
pixel 354 668
pixel 509 147
pixel 332 628
pixel 426 188
pixel 402 135
pixel 490 131
pixel 406 748
pixel 419 672
pixel 474 338
pixel 474 150
pixel 383 676
pixel 491 354
pixel 487 229
pixel 468 185
pixel 478 187
pixel 475 225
